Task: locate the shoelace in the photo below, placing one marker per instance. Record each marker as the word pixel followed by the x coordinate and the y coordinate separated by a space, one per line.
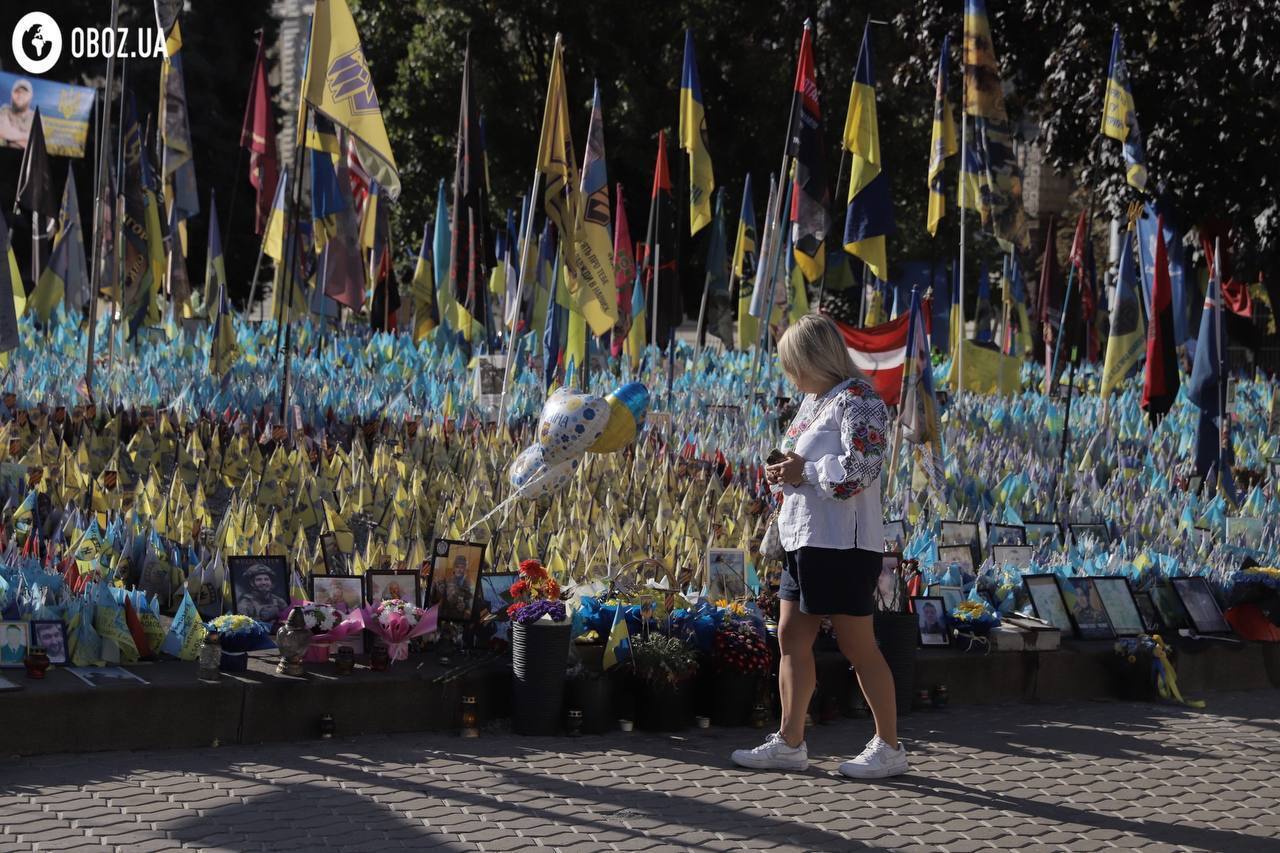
pixel 869 750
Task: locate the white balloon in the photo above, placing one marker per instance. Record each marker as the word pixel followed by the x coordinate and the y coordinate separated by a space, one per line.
pixel 532 478
pixel 570 423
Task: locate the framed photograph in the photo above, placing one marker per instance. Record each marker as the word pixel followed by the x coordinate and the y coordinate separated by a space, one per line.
pixel 1117 600
pixel 1038 532
pixel 931 619
pixel 1084 605
pixel 889 589
pixel 338 591
pixel 52 637
pixel 155 579
pixel 1202 607
pixel 951 595
pixel 384 586
pixel 1046 598
pixel 260 587
pixel 1012 555
pixel 489 373
pixel 495 598
pixel 1147 607
pixel 15 638
pixel 727 574
pixel 961 555
pixel 895 534
pixel 959 533
pixel 1006 534
pixel 1173 615
pixel 335 562
pixel 1097 531
pixel 454 579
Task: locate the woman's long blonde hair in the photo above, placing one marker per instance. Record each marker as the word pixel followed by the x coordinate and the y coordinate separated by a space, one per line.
pixel 814 347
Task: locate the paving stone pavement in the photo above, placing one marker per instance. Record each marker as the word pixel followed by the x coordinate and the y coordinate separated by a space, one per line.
pixel 1080 777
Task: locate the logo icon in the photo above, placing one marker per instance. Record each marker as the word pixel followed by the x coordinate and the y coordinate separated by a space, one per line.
pixel 37 42
pixel 349 78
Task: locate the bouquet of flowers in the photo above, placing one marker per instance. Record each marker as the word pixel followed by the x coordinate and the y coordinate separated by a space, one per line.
pixel 740 648
pixel 327 625
pixel 662 659
pixel 975 617
pixel 238 636
pixel 396 622
pixel 536 594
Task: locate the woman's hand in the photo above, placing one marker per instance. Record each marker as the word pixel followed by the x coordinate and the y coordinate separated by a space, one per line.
pixel 790 471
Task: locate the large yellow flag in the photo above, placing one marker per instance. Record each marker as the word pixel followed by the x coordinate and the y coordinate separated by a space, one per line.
pixel 693 139
pixel 557 160
pixel 593 290
pixel 338 86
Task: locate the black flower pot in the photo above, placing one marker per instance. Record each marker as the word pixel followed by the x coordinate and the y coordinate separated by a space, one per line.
pixel 590 695
pixel 734 698
pixel 538 656
pixel 896 634
pixel 662 706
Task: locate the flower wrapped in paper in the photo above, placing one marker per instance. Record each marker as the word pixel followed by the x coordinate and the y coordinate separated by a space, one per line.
pixel 975 617
pixel 397 622
pixel 328 625
pixel 239 635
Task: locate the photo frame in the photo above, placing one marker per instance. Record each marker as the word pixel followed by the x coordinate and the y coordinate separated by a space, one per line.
pixel 895 534
pixel 384 585
pixel 1085 608
pixel 490 370
pixel 1006 534
pixel 1047 600
pixel 1013 555
pixel 951 595
pixel 1118 601
pixel 346 593
pixel 335 561
pixel 958 533
pixel 495 597
pixel 931 621
pixel 1038 532
pixel 1147 607
pixel 1201 605
pixel 726 574
pixel 15 640
pixel 959 554
pixel 455 578
pixel 260 587
pixel 1173 615
pixel 50 635
pixel 1098 531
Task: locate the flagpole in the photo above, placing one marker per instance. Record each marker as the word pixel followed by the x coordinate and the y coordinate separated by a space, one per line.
pixel 509 366
pixel 117 220
pixel 96 271
pixel 902 396
pixel 960 196
pixel 1224 428
pixel 822 286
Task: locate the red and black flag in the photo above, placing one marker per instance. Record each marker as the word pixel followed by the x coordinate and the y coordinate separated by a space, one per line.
pixel 258 134
pixel 1049 301
pixel 810 198
pixel 35 193
pixel 661 248
pixel 1160 379
pixel 470 251
pixel 1083 323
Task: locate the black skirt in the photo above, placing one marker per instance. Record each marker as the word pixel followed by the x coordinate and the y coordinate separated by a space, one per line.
pixel 831 581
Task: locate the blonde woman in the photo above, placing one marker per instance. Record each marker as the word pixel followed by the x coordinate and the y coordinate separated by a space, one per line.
pixel 832 532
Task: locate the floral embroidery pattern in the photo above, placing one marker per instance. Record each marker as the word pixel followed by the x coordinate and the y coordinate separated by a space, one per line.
pixel 863 420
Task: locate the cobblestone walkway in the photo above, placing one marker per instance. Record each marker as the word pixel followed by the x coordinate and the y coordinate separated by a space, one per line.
pixel 1081 777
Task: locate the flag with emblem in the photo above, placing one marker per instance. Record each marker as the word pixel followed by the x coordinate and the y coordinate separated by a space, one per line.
pixel 693 139
pixel 744 269
pixel 338 85
pixel 1120 117
pixel 943 143
pixel 592 291
pixel 556 158
pixel 810 198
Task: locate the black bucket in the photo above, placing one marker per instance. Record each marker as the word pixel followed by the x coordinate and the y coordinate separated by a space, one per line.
pixel 538 657
pixel 896 634
pixel 735 696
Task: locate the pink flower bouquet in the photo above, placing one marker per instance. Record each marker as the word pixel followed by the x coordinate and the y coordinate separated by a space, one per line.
pixel 397 622
pixel 328 625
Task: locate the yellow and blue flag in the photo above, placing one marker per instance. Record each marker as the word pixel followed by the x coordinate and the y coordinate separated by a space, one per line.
pixel 719 316
pixel 423 290
pixel 639 321
pixel 1127 342
pixel 557 160
pixel 1120 117
pixel 744 269
pixel 64 278
pixel 693 139
pixel 617 649
pixel 869 218
pixel 338 85
pixel 592 290
pixel 273 236
pixel 943 143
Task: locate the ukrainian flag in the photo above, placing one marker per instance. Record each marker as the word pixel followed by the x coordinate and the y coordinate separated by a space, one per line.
pixel 744 269
pixel 66 262
pixel 617 649
pixel 639 320
pixel 273 236
pixel 338 86
pixel 943 143
pixel 1120 118
pixel 423 289
pixel 870 214
pixel 1127 342
pixel 693 139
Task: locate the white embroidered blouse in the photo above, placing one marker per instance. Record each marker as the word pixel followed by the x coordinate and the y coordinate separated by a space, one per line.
pixel 841 436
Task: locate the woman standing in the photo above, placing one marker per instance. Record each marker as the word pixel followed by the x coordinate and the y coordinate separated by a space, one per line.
pixel 832 531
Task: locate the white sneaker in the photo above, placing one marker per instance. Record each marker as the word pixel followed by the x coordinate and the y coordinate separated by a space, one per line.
pixel 773 754
pixel 877 761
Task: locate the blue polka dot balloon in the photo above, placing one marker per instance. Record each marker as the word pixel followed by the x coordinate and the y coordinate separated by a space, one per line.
pixel 570 423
